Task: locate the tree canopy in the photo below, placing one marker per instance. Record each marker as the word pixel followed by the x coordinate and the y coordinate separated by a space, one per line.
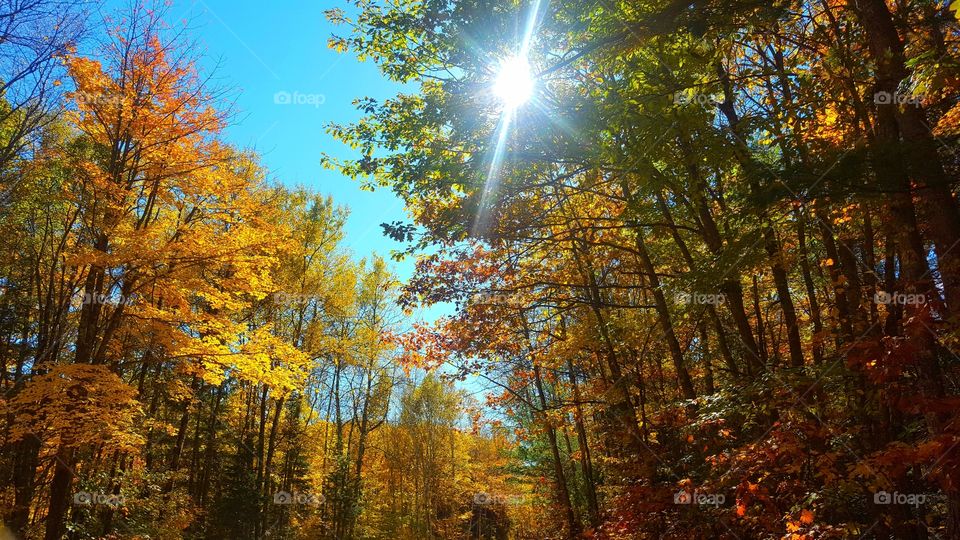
pixel 698 264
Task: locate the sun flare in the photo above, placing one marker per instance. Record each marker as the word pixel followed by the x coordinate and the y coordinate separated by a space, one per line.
pixel 514 84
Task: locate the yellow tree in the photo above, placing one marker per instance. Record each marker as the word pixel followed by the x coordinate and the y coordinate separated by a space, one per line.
pixel 172 237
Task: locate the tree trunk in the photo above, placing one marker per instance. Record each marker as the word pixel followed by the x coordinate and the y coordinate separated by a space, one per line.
pixel 771 243
pixel 586 463
pixel 663 314
pixel 563 493
pixel 60 493
pixel 810 287
pixel 920 151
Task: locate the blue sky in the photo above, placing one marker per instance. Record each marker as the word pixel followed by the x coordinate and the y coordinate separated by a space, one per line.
pixel 262 50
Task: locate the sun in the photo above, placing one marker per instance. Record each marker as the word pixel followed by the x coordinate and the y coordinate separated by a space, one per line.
pixel 514 83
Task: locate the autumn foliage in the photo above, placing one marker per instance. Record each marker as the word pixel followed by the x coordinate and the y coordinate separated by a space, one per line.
pixel 709 271
pixel 189 349
pixel 704 283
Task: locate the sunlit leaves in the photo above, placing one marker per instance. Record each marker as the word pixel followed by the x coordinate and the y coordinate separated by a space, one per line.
pixel 76 406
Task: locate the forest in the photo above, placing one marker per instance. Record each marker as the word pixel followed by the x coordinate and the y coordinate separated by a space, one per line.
pixel 696 261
